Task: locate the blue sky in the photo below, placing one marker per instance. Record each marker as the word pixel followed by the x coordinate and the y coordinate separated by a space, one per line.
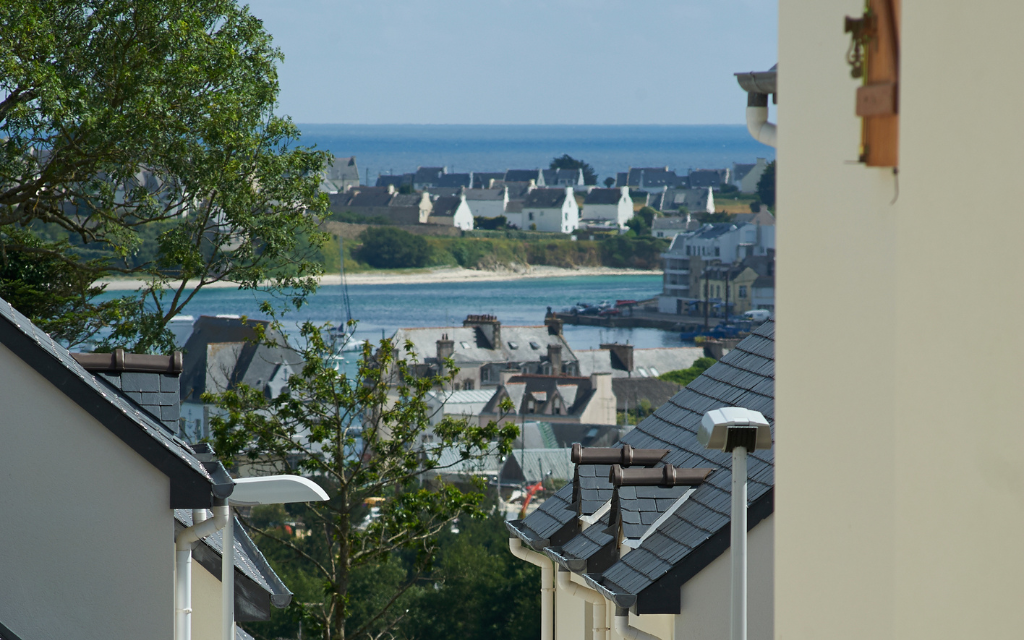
pixel 518 61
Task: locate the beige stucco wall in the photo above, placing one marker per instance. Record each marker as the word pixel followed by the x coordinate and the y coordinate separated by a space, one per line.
pixel 206 607
pixel 900 501
pixel 86 529
pixel 705 597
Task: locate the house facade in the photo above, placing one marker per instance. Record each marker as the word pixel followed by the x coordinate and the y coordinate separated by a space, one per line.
pixel 551 210
pixel 487 203
pixel 650 179
pixel 746 176
pixel 672 201
pixel 563 177
pixel 116 485
pixel 340 174
pixel 653 562
pixel 451 211
pixel 608 205
pixel 553 398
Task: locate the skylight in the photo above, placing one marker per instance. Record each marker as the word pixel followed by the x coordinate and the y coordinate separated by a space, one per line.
pixel 513 345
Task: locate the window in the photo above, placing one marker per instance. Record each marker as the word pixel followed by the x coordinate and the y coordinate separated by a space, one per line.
pixel 513 345
pixel 534 345
pixel 642 371
pixel 531 215
pixel 717 252
pixel 465 345
pixel 654 372
pixel 743 291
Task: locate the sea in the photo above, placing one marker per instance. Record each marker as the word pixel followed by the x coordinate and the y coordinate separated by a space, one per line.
pixel 396 149
pixel 382 309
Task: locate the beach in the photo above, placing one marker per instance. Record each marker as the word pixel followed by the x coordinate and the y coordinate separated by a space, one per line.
pixel 421 276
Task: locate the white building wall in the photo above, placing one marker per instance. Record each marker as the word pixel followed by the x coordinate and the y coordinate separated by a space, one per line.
pixel 87 531
pixel 463 218
pixel 486 208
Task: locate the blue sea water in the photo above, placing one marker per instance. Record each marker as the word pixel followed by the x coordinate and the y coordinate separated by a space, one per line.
pixel 382 309
pixel 463 148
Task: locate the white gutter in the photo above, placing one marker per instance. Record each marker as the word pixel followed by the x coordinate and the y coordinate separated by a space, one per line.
pixel 227 581
pixel 587 594
pixel 547 589
pixel 183 568
pixel 623 628
pixel 757 119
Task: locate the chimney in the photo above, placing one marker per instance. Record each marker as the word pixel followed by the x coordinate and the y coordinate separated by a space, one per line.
pixel 151 381
pixel 622 355
pixel 555 358
pixel 553 323
pixel 445 347
pixel 488 325
pixel 508 374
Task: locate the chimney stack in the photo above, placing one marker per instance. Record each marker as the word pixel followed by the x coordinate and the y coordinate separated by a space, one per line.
pixel 445 349
pixel 488 325
pixel 553 323
pixel 555 358
pixel 622 356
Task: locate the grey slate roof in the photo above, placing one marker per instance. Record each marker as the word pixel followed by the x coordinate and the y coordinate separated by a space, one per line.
pixel 485 194
pixel 525 175
pixel 257 586
pixel 157 393
pixel 446 206
pixel 454 180
pixel 603 196
pixel 707 178
pixel 396 181
pixel 545 198
pixel 192 486
pixel 698 531
pixel 482 180
pixel 428 175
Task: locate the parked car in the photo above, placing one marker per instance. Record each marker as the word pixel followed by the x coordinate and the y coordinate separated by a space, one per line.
pixel 590 311
pixel 611 311
pixel 757 315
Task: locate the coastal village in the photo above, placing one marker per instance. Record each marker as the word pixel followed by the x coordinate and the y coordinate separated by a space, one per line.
pixel 798 461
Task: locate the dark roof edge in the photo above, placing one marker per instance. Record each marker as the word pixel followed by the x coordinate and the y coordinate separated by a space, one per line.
pixel 189 488
pixel 623 600
pixel 281 595
pixel 246 589
pixel 7 634
pixel 663 595
pixel 118 361
pixel 567 563
pixel 524 533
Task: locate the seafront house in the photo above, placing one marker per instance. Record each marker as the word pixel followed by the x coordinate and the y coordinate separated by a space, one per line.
pixel 340 174
pixel 551 210
pixel 93 545
pixel 672 225
pixel 536 176
pixel 651 179
pixel 451 211
pixel 553 398
pixel 604 206
pixel 487 203
pixel 426 177
pixel 385 202
pixel 626 361
pixel 746 176
pixel 563 178
pixel 653 562
pixel 708 178
pixel 220 354
pixel 693 201
pixel 482 349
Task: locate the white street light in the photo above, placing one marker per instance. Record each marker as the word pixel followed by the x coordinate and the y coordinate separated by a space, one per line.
pixel 256 491
pixel 737 430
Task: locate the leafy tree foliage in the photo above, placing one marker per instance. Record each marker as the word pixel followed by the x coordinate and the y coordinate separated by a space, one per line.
pixel 121 114
pixel 633 253
pixel 766 185
pixel 568 162
pixel 686 376
pixel 609 182
pixel 392 248
pixel 490 224
pixel 361 438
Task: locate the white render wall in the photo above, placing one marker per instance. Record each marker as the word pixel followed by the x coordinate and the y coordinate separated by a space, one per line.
pixel 486 208
pixel 87 531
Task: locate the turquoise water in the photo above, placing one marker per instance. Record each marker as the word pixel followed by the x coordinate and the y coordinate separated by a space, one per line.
pixel 463 148
pixel 381 309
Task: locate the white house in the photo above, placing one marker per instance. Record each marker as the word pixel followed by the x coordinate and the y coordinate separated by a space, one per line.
pixel 487 203
pixel 653 562
pixel 553 210
pixel 95 486
pixel 693 200
pixel 452 211
pixel 604 205
pixel 746 176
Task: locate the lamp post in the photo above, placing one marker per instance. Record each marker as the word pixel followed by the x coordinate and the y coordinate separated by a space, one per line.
pixel 737 430
pixel 279 489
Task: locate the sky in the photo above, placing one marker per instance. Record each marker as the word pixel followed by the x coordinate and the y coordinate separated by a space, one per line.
pixel 518 61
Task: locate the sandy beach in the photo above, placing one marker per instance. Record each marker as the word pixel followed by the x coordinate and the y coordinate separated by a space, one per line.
pixel 419 276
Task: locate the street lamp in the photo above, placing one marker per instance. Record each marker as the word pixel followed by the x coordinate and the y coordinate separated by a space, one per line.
pixel 737 430
pixel 279 489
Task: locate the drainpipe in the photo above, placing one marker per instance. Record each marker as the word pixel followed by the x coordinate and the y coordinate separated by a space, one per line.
pixel 227 579
pixel 566 584
pixel 757 119
pixel 183 566
pixel 623 628
pixel 547 589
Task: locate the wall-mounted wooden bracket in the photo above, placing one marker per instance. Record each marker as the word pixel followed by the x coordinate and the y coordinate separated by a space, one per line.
pixel 878 99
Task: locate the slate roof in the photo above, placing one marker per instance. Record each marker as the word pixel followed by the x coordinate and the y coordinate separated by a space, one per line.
pixel 740 171
pixel 647 579
pixel 630 391
pixel 545 198
pixel 396 181
pixel 674 223
pixel 478 350
pixel 485 194
pixel 428 175
pixel 575 394
pixel 257 586
pixel 525 175
pixel 707 177
pixel 534 434
pixel 482 180
pixel 603 196
pixel 535 465
pixel 660 359
pixel 192 485
pixel 454 180
pixel 446 206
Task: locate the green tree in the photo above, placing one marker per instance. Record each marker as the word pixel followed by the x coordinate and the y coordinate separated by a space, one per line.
pixel 569 162
pixel 392 248
pixel 119 115
pixel 361 438
pixel 609 182
pixel 686 376
pixel 766 186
